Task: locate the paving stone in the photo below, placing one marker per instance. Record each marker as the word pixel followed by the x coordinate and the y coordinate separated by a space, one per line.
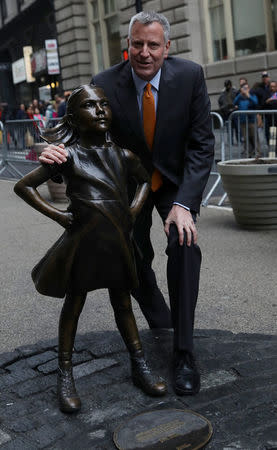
pixel 17 366
pixel 41 358
pixel 97 380
pixel 83 356
pixel 19 444
pixel 8 358
pixel 98 416
pixel 17 377
pixel 15 408
pixel 34 386
pixel 22 424
pixel 107 344
pixel 81 343
pixel 4 437
pixel 49 367
pixel 213 334
pixel 250 368
pixel 93 366
pixel 238 395
pixel 45 436
pixel 50 344
pixel 255 337
pixel 29 350
pixel 217 378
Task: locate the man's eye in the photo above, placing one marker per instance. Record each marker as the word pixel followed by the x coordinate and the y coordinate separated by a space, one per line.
pixel 137 44
pixel 154 45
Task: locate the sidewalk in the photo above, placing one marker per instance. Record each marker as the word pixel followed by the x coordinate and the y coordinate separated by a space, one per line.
pixel 237 360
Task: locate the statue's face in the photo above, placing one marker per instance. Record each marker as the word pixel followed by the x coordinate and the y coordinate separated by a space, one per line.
pixel 93 112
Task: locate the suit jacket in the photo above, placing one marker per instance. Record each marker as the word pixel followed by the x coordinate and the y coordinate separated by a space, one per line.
pixel 183 145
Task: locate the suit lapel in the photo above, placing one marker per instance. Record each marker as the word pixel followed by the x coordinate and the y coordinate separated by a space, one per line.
pixel 127 98
pixel 167 100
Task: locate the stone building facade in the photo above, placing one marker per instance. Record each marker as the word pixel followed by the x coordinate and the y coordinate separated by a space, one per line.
pixel 24 27
pixel 229 38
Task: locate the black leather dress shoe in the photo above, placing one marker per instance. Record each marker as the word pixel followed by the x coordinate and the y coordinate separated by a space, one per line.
pixel 186 375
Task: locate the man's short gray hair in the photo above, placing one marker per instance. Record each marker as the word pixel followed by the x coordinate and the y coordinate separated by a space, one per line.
pixel 148 17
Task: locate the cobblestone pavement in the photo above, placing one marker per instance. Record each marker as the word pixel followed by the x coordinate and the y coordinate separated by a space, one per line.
pixel 238 394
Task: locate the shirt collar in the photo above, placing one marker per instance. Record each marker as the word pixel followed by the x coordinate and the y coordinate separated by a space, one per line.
pixel 140 84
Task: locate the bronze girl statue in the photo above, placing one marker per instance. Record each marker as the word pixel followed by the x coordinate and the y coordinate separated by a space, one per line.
pixel 96 249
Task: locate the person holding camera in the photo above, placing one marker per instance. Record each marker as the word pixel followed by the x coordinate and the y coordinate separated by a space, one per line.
pixel 245 101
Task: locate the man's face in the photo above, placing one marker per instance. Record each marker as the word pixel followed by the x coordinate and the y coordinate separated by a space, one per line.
pixel 147 49
pixel 273 87
pixel 242 81
pixel 244 89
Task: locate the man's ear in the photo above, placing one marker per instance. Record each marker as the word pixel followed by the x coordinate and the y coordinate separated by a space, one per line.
pixel 167 45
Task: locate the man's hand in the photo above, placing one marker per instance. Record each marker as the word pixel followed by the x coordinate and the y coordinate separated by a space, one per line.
pixel 184 222
pixel 53 153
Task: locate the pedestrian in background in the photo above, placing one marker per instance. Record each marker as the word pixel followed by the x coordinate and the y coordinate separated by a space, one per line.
pixel 246 101
pixel 21 112
pixel 226 106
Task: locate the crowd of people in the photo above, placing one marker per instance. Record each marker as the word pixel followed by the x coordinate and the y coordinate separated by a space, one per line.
pixel 38 110
pixel 261 96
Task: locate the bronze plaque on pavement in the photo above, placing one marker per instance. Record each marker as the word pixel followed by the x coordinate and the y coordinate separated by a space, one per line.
pixel 165 429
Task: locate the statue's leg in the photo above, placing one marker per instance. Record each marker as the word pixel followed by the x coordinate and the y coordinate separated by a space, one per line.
pixel 68 398
pixel 142 375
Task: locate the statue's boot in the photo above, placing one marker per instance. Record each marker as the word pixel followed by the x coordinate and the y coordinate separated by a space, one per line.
pixel 144 378
pixel 69 401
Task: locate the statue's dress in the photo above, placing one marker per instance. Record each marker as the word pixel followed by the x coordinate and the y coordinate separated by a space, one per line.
pixel 96 251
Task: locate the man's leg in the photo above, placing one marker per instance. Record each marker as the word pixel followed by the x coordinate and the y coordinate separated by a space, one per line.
pixel 148 295
pixel 244 153
pixel 183 270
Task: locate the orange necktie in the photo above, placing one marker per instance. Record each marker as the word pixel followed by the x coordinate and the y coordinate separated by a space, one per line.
pixel 149 123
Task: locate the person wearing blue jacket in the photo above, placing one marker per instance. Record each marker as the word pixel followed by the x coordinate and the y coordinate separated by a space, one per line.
pixel 245 101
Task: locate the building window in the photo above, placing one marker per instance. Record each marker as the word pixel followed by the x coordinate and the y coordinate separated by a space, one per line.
pixel 19 4
pixel 237 28
pixel 274 15
pixel 248 26
pixel 218 29
pixel 3 10
pixel 105 36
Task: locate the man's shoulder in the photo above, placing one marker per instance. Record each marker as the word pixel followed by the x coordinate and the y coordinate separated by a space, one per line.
pixel 112 73
pixel 182 64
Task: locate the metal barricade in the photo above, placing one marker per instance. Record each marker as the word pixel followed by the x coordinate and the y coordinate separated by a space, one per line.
pixel 218 130
pixel 251 131
pixel 19 137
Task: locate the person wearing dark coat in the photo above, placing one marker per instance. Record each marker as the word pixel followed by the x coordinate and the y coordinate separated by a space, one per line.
pixel 226 105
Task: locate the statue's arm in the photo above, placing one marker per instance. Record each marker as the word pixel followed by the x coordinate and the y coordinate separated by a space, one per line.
pixel 26 188
pixel 137 171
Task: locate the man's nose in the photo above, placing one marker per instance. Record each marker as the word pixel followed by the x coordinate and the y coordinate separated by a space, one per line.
pixel 145 51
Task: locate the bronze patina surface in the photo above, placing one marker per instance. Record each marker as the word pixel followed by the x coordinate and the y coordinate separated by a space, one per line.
pixel 167 429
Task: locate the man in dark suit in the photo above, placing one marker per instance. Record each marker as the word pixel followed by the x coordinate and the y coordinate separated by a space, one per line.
pixel 180 155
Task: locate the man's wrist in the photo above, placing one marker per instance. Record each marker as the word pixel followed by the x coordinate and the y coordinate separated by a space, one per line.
pixel 183 206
